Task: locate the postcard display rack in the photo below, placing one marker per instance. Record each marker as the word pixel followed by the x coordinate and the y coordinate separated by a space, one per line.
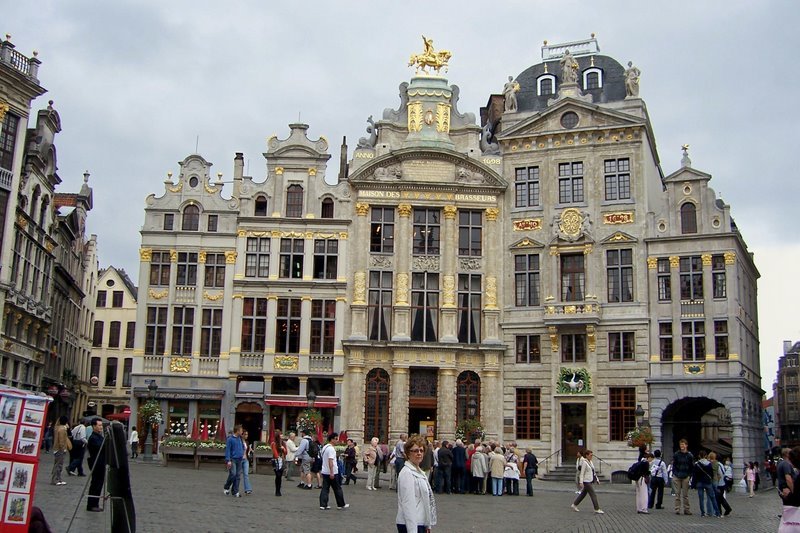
pixel 22 417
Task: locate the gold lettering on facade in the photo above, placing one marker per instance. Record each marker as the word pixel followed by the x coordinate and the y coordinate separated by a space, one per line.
pixel 625 217
pixel 286 362
pixel 527 224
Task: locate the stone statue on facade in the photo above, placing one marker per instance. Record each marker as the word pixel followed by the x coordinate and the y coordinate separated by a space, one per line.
pixel 510 90
pixel 632 75
pixel 372 140
pixel 569 68
pixel 487 144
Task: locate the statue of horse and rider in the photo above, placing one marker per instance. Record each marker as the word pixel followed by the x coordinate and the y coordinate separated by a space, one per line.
pixel 430 58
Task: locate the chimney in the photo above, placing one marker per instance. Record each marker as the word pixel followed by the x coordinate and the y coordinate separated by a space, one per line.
pixel 787 345
pixel 238 173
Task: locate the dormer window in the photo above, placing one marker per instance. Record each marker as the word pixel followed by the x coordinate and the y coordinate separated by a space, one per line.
pixel 191 218
pixel 261 206
pixel 592 79
pixel 545 84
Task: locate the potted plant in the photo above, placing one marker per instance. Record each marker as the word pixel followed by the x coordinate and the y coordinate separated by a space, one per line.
pixel 309 419
pixel 469 430
pixel 151 415
pixel 640 436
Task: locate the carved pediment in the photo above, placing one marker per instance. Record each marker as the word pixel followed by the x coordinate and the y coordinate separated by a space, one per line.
pixel 687 174
pixel 589 116
pixel 619 237
pixel 526 244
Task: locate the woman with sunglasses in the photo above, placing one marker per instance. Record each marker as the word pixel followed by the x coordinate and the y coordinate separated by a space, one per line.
pixel 416 507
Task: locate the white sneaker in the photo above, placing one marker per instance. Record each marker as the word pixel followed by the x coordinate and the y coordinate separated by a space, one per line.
pixel 237 495
pixel 575 508
pixel 599 511
pixel 61 483
pixel 345 506
pixel 226 492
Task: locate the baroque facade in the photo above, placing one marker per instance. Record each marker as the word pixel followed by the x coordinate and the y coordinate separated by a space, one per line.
pixel 535 269
pixel 786 402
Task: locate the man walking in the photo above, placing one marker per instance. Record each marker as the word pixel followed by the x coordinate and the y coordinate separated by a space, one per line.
pixel 658 480
pixel 682 464
pixel 330 469
pixel 305 460
pixel 234 455
pixel 61 446
pixel 445 467
pixel 97 464
pixel 78 450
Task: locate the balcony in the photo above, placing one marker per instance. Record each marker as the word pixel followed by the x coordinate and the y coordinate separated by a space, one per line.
pixel 5 179
pixel 320 363
pixel 692 309
pixel 577 313
pixel 27 66
pixel 153 364
pixel 251 362
pixel 208 366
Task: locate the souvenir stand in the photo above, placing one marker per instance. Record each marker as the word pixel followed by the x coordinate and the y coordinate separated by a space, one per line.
pixel 22 418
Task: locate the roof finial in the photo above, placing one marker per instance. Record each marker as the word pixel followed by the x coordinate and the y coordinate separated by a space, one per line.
pixel 86 176
pixel 685 161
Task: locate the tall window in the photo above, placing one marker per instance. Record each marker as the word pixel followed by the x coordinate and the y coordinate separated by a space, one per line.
pixel 294 201
pixel 426 231
pixel 470 233
pixel 323 326
pixel 254 325
pixel 573 348
pixel 95 368
pixel 326 258
pixel 8 139
pixel 618 179
pixel 573 278
pixel 169 221
pixel 101 299
pixel 665 340
pixel 117 298
pixel 526 187
pixel 97 338
pixel 257 257
pixel 528 349
pixel 664 280
pixel 211 223
pixel 382 230
pixel 622 411
pixel 127 368
pixel 159 269
pixel 111 372
pixel 260 208
pixel 468 396
pixel 187 269
pixel 721 339
pixel 291 260
pixel 156 335
pixel 376 405
pixel 619 273
pixel 693 338
pixel 570 183
pixel 327 208
pixel 469 308
pixel 688 218
pixel 691 269
pixel 287 330
pixel 114 329
pixel 191 218
pixel 526 280
pixel 546 86
pixel 211 333
pixel 214 271
pixel 130 334
pixel 424 306
pixel 718 276
pixel 182 330
pixel 529 413
pixel 621 346
pixel 379 306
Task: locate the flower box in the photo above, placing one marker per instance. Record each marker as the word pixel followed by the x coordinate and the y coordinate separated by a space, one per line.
pixel 211 450
pixel 262 454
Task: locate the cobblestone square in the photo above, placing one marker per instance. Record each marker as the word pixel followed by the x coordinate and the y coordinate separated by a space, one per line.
pixel 180 499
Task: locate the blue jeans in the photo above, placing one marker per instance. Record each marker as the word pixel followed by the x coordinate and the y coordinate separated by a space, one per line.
pixel 705 490
pixel 234 474
pixel 497 486
pixel 529 474
pixel 246 475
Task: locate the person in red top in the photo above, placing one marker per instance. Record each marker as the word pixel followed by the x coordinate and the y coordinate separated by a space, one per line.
pixel 278 460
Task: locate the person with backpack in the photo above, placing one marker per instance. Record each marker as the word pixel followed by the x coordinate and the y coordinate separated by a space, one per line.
pixel 703 481
pixel 79 440
pixel 304 459
pixel 682 463
pixel 658 480
pixel 639 473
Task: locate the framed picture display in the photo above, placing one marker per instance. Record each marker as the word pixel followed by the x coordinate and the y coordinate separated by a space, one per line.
pixel 31 416
pixel 5 474
pixel 29 432
pixel 27 447
pixel 37 404
pixel 16 508
pixel 21 477
pixel 7 434
pixel 10 408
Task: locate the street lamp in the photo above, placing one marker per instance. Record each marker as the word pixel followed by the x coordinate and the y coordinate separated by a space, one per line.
pixel 639 414
pixel 311 398
pixel 472 407
pixel 148 442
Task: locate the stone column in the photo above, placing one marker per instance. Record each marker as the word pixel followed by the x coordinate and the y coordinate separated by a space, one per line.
pixel 308 256
pixel 401 326
pixel 492 265
pixel 708 301
pixel 280 194
pixel 272 310
pixel 449 250
pixel 675 284
pixel 358 325
pixel 446 399
pixel 305 325
pixel 491 404
pixel 398 410
pixel 353 398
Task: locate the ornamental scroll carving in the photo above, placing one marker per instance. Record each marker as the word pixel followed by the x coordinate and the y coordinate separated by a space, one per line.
pixel 145 254
pixel 426 263
pixel 491 292
pixel 380 261
pixel 180 364
pixel 230 257
pixel 402 289
pixel 404 210
pixel 286 362
pixel 362 209
pixel 360 288
pixel 450 212
pixel 469 263
pixel 449 291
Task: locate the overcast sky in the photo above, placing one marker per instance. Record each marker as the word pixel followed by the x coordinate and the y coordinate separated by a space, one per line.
pixel 137 83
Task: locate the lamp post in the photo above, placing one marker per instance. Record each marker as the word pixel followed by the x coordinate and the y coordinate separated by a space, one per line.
pixel 311 398
pixel 639 414
pixel 148 442
pixel 472 407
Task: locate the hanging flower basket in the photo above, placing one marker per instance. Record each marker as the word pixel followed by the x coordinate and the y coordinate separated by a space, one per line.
pixel 309 419
pixel 151 412
pixel 640 436
pixel 469 430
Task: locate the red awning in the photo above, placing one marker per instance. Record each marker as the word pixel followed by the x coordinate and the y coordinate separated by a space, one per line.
pixel 119 416
pixel 298 403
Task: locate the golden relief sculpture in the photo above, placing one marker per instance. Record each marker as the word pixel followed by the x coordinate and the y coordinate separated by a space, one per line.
pixel 402 289
pixel 279 171
pixel 443 117
pixel 625 217
pixel 180 364
pixel 591 340
pixel 209 189
pixel 415 117
pixel 450 212
pixel 706 258
pixel 730 258
pixel 176 189
pixel 201 256
pixel 404 210
pixel 652 263
pixel 173 256
pixel 230 257
pixel 674 261
pixel 449 291
pixel 286 362
pixel 491 292
pixel 213 297
pixel 362 209
pixel 22 221
pixel 4 107
pixel 312 171
pixel 430 58
pixel 158 295
pixel 49 246
pixel 491 213
pixel 571 222
pixel 553 332
pixel 360 288
pixel 241 233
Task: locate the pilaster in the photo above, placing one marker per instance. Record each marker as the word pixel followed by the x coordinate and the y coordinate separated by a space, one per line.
pixel 446 409
pixel 398 409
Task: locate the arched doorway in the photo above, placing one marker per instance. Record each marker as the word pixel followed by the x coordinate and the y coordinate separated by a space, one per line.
pixel 251 416
pixel 703 422
pixel 376 405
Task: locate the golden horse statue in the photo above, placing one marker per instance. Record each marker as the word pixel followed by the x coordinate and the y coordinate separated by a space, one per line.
pixel 430 58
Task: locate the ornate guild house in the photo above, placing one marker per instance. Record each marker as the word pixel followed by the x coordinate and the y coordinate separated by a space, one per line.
pixel 533 268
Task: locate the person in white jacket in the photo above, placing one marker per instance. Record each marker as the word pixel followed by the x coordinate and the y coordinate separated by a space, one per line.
pixel 416 507
pixel 587 477
pixel 291 448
